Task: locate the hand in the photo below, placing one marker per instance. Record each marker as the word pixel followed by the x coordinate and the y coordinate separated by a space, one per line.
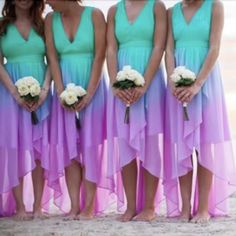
pixel 21 102
pixel 83 102
pixel 42 97
pixel 172 87
pixel 138 92
pixel 186 94
pixel 124 95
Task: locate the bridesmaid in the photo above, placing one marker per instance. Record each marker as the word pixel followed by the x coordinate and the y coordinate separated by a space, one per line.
pixel 76 47
pixel 195 30
pixel 23 146
pixel 136 37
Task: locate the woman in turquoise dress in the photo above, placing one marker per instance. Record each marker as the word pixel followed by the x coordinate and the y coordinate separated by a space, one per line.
pixel 24 147
pixel 136 37
pixel 199 161
pixel 76 48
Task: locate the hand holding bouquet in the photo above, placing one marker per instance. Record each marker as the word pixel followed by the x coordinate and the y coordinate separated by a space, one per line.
pixel 70 96
pixel 182 77
pixel 29 89
pixel 128 78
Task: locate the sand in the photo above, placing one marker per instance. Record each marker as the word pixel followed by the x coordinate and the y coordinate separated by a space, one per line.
pixel 107 225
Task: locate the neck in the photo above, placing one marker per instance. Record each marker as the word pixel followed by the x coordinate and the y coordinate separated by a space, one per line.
pixel 22 15
pixel 192 1
pixel 71 8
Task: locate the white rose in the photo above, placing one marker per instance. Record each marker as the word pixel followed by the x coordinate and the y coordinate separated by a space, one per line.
pixel 179 69
pixel 139 80
pixel 63 95
pixel 35 90
pixel 120 76
pixel 70 98
pixel 125 68
pixel 175 77
pixel 29 80
pixel 70 86
pixel 132 75
pixel 80 92
pixel 23 89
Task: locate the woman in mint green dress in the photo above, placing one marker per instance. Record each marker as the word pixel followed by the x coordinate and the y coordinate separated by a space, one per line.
pixel 76 49
pixel 195 29
pixel 136 37
pixel 24 147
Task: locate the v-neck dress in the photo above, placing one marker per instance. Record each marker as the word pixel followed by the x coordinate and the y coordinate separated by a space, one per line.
pixel 142 138
pixel 207 131
pixel 21 143
pixel 86 145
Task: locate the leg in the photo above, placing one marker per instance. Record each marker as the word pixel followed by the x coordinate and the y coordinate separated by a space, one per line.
pixel 38 184
pixel 90 192
pixel 20 207
pixel 150 185
pixel 204 186
pixel 73 180
pixel 185 189
pixel 129 177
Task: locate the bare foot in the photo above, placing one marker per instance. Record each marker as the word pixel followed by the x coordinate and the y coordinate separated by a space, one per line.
pixel 184 217
pixel 22 216
pixel 145 215
pixel 40 215
pixel 127 216
pixel 71 215
pixel 201 218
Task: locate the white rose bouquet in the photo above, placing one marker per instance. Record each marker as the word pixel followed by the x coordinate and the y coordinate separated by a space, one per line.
pixel 128 78
pixel 71 95
pixel 183 77
pixel 29 89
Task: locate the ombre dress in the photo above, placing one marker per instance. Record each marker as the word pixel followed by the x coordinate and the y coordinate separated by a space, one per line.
pixel 86 145
pixel 21 142
pixel 207 131
pixel 142 138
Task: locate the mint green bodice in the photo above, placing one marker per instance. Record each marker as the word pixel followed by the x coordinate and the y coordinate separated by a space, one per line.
pixel 76 57
pixel 16 49
pixel 140 32
pixel 196 32
pixel 83 42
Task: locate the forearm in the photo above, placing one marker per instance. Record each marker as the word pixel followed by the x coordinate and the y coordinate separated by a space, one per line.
pixel 95 75
pixel 154 65
pixel 169 63
pixel 207 66
pixel 47 81
pixel 56 76
pixel 7 82
pixel 112 67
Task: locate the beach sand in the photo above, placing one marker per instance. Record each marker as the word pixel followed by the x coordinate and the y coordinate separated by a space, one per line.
pixel 107 225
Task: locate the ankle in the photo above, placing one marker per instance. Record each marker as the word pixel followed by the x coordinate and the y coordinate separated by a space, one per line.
pixel 20 208
pixel 149 208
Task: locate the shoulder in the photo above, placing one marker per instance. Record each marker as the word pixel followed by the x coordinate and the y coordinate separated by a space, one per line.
pixel 159 6
pixel 97 13
pixel 48 18
pixel 112 11
pixel 218 7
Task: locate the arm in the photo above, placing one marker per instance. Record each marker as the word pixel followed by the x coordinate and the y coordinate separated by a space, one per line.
pixel 112 62
pixel 169 53
pixel 44 90
pixel 100 49
pixel 52 57
pixel 10 86
pixel 213 53
pixel 158 49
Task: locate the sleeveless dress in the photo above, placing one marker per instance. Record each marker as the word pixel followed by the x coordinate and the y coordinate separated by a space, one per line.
pixel 88 144
pixel 21 143
pixel 207 131
pixel 142 138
